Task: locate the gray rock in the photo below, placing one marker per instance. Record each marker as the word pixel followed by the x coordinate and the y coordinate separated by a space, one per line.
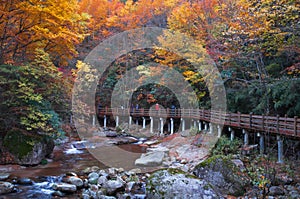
pixel 102 180
pixel 58 193
pixel 65 187
pixel 276 191
pixel 85 196
pixel 24 181
pixel 106 197
pixel 93 178
pixel 75 181
pixel 4 176
pixel 150 159
pixel 111 134
pixel 93 191
pixel 6 187
pixel 174 183
pixel 112 186
pixel 223 174
pixel 39 147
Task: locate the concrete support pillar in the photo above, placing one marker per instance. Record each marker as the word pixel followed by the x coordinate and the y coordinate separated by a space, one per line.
pixel 151 124
pixel 105 121
pixel 199 125
pixel 182 124
pixel 117 121
pixel 195 124
pixel 94 120
pixel 161 126
pixel 144 122
pixel 172 126
pixel 219 131
pixel 246 137
pixel 231 133
pixel 130 120
pixel 137 122
pixel 211 128
pixel 205 126
pixel 280 149
pixel 261 143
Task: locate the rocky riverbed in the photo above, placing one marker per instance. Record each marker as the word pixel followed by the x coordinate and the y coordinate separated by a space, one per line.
pixel 176 166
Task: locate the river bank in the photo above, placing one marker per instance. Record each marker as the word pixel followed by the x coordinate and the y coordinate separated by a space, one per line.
pixel 73 172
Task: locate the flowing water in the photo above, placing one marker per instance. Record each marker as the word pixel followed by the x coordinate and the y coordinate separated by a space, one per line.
pixel 71 157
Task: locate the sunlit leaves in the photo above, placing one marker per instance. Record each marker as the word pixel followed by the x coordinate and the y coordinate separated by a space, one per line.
pixel 51 25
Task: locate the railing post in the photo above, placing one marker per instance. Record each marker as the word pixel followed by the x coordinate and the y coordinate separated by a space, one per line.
pixel 285 122
pixel 263 122
pixel 277 123
pixel 295 125
pixel 239 119
pixel 250 120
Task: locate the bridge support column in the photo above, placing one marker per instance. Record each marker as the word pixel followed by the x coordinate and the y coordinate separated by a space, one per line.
pixel 261 143
pixel 199 125
pixel 211 128
pixel 231 133
pixel 94 120
pixel 205 126
pixel 117 121
pixel 195 124
pixel 182 124
pixel 130 120
pixel 137 122
pixel 246 137
pixel 144 122
pixel 161 126
pixel 280 149
pixel 105 121
pixel 151 124
pixel 219 131
pixel 172 126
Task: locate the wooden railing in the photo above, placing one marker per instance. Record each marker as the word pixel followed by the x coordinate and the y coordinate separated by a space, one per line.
pixel 273 124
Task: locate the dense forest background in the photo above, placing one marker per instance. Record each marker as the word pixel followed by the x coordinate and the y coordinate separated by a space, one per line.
pixel 254 44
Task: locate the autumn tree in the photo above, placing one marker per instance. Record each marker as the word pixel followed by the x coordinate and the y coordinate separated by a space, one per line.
pixel 33 96
pixel 52 25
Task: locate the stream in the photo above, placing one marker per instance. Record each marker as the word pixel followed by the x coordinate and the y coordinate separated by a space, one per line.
pixel 74 156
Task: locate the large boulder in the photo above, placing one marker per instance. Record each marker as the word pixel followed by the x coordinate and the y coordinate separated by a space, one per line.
pixel 6 187
pixel 150 159
pixel 223 174
pixel 25 148
pixel 174 183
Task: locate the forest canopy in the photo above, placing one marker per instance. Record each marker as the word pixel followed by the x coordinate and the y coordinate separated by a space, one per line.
pixel 254 45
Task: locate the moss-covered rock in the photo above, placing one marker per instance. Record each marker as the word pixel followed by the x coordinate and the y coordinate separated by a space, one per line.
pixel 27 149
pixel 174 183
pixel 223 174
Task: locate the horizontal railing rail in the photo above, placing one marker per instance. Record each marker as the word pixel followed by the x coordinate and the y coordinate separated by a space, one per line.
pixel 273 124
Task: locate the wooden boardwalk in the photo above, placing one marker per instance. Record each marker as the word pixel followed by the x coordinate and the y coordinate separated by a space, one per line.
pixel 259 123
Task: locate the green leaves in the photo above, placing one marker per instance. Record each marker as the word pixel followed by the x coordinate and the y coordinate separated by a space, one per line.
pixel 30 94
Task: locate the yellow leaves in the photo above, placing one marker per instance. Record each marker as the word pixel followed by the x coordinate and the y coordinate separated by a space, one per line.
pixel 52 24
